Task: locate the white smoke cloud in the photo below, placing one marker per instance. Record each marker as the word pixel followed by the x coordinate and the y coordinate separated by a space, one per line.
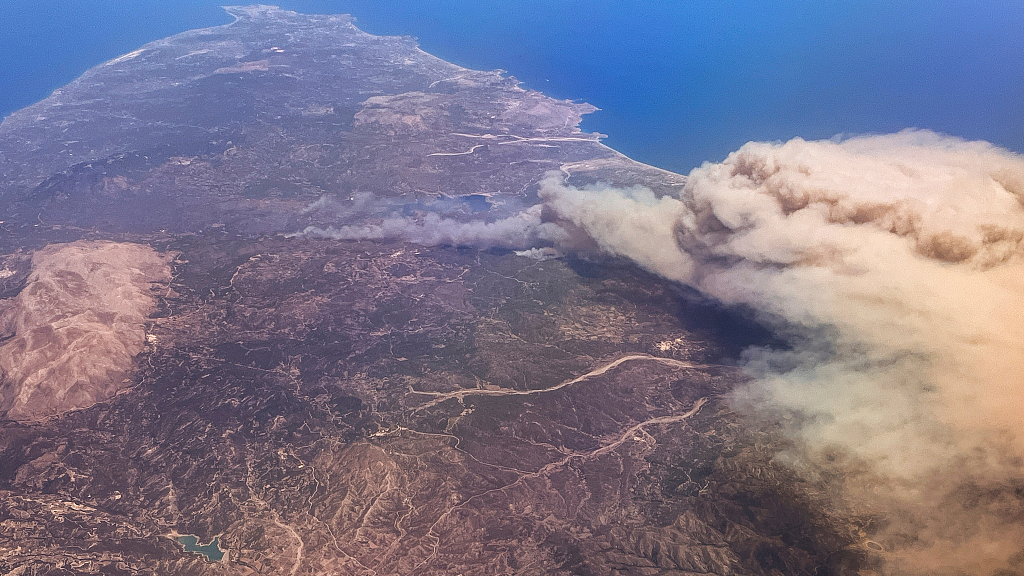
pixel 520 230
pixel 896 266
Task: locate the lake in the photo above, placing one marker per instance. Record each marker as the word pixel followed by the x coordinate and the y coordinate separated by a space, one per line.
pixel 212 550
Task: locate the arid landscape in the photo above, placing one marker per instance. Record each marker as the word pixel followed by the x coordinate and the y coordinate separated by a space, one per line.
pixel 288 288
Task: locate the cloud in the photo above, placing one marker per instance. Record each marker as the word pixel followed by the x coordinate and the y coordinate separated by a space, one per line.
pixel 895 266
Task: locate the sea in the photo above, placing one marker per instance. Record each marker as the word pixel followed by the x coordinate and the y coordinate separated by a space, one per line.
pixel 678 82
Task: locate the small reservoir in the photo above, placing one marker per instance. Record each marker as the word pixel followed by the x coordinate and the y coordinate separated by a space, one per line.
pixel 212 550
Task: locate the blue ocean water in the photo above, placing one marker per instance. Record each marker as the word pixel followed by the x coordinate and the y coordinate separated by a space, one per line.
pixel 678 81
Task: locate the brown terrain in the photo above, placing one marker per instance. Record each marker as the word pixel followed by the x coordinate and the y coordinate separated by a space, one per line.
pixel 181 359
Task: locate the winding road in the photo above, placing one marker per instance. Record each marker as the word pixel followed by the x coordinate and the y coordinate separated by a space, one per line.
pixel 442 396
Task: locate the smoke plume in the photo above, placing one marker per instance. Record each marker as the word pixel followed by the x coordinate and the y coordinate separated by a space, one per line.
pixel 519 230
pixel 895 267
